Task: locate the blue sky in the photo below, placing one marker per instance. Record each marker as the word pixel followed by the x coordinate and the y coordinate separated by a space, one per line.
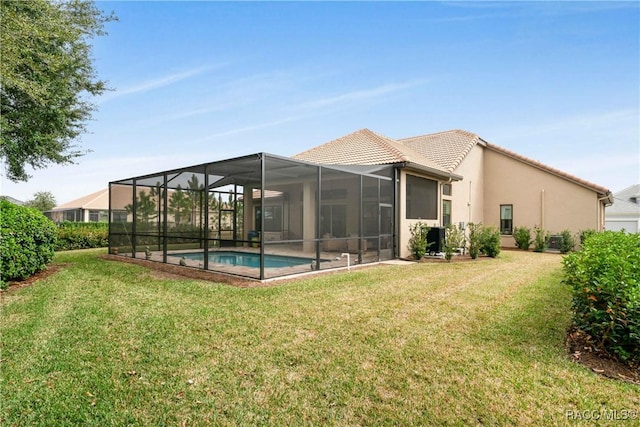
pixel 202 81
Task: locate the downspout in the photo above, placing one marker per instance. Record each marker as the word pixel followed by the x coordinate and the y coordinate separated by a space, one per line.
pixel 542 200
pixel 469 203
pixel 600 212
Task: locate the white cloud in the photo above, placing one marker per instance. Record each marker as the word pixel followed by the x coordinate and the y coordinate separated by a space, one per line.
pixel 158 82
pixel 359 95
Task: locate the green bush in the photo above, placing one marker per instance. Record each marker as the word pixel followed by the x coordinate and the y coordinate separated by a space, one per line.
pixel 418 241
pixel 541 240
pixel 522 236
pixel 475 245
pixel 82 235
pixel 585 234
pixel 605 278
pixel 568 242
pixel 490 241
pixel 27 241
pixel 453 240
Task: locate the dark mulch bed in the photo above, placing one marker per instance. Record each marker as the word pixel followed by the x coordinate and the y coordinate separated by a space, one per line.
pixel 582 350
pixel 170 271
pixel 51 269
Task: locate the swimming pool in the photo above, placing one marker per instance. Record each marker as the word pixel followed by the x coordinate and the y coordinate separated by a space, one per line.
pixel 244 259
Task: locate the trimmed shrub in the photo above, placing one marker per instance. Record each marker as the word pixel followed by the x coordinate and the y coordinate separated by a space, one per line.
pixel 605 279
pixel 418 241
pixel 453 240
pixel 541 240
pixel 568 242
pixel 585 234
pixel 522 236
pixel 82 235
pixel 490 241
pixel 27 241
pixel 475 245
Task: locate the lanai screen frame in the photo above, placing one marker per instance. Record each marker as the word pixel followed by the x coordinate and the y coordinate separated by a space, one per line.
pixel 306 190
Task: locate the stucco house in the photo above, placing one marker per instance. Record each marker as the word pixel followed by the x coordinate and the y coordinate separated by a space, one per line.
pixel 624 214
pixel 93 207
pixel 457 177
pixel 350 200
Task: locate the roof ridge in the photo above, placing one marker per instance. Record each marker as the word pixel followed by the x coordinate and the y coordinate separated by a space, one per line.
pixel 440 133
pixel 389 143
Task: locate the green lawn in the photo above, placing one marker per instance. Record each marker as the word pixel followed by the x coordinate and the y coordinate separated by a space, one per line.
pixel 474 343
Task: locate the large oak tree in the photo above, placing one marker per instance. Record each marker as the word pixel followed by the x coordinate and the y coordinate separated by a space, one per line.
pixel 47 79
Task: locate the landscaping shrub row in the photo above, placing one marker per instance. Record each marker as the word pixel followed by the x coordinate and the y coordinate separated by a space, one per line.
pixel 82 235
pixel 482 240
pixel 27 242
pixel 542 238
pixel 605 279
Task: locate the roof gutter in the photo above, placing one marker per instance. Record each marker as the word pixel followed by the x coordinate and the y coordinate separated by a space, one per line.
pixel 431 171
pixel 608 199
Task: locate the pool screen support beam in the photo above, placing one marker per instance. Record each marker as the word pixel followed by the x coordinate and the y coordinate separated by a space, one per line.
pixel 205 193
pixel 262 190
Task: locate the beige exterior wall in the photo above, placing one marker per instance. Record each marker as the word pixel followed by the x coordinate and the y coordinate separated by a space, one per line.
pixel 404 224
pixel 467 194
pixel 539 198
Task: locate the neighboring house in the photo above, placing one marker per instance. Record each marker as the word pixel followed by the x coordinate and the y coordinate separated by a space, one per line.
pixel 351 200
pixel 93 207
pixel 457 177
pixel 624 214
pixel 12 200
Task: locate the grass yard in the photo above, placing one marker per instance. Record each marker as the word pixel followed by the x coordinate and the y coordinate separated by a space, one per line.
pixel 475 343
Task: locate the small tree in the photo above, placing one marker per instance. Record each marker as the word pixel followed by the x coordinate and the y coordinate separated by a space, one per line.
pixel 418 241
pixel 42 201
pixel 475 244
pixel 454 240
pixel 541 240
pixel 522 236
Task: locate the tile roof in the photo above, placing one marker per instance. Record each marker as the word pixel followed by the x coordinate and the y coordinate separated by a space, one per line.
pixel 446 149
pixel 97 200
pixel 365 147
pixel 440 153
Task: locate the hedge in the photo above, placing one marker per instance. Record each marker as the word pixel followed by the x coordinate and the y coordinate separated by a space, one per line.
pixel 82 235
pixel 27 241
pixel 605 279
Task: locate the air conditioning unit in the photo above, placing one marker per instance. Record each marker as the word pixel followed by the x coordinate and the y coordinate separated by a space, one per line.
pixel 435 236
pixel 555 242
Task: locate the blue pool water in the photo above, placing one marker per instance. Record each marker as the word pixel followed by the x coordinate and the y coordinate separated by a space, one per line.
pixel 244 259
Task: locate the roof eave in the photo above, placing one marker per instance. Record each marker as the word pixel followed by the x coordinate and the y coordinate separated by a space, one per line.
pixel 431 171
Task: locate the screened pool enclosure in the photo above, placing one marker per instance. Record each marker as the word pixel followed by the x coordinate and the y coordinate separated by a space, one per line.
pixel 259 216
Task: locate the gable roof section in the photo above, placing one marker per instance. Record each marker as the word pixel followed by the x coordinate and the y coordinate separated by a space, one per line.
pixel 605 193
pixel 97 200
pixel 365 147
pixel 447 149
pixel 626 201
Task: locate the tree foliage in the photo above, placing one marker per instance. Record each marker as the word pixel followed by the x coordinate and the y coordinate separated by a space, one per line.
pixel 46 79
pixel 42 201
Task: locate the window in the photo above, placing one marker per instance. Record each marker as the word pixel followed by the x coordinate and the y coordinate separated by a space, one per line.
pixel 98 216
pixel 422 198
pixel 446 189
pixel 446 212
pixel 272 218
pixel 506 219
